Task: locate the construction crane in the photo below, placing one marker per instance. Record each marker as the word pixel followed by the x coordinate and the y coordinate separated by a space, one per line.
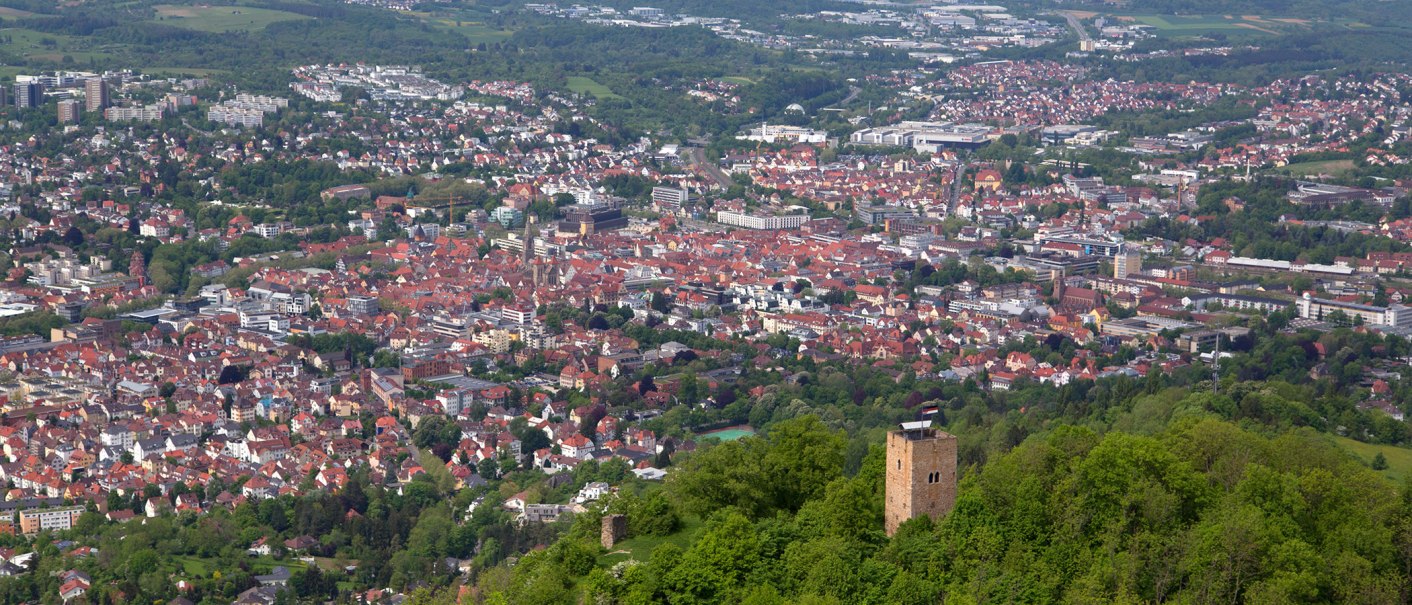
pixel 431 202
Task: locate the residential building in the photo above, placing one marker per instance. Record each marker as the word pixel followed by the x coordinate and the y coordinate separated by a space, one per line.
pixel 69 110
pixel 761 221
pixel 35 520
pixel 147 113
pixel 29 94
pixel 1126 262
pixel 96 94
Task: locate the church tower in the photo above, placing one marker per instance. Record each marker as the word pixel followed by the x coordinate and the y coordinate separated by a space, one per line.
pixel 137 269
pixel 528 239
pixel 921 474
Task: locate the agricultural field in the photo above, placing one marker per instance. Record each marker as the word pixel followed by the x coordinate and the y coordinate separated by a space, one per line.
pixel 221 19
pixel 582 85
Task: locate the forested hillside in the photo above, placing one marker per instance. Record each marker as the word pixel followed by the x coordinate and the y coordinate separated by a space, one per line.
pixel 1200 510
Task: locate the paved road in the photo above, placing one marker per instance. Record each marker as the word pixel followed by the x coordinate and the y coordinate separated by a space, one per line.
pixel 956 188
pixel 852 94
pixel 188 125
pixel 1076 26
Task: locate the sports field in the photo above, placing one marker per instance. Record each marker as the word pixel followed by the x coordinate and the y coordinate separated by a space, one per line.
pixel 1330 167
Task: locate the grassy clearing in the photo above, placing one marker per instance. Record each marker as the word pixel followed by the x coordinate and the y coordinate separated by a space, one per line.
pixel 220 19
pixel 742 80
pixel 1255 25
pixel 42 46
pixel 475 31
pixel 1331 167
pixel 198 567
pixel 582 85
pixel 640 548
pixel 1195 25
pixel 1399 459
pixel 1172 22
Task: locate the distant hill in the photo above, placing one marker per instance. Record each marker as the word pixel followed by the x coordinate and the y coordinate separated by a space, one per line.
pixel 1383 13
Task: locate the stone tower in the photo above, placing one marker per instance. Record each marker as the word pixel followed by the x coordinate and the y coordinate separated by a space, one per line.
pixel 615 528
pixel 921 474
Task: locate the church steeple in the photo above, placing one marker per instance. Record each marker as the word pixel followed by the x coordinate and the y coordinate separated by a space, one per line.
pixel 528 239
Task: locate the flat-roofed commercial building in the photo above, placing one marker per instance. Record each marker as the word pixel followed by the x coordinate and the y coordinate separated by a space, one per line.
pixel 926 137
pixel 1395 316
pixel 761 221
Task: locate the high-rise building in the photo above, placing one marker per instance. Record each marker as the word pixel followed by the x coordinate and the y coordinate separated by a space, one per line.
pixel 96 92
pixel 29 94
pixel 921 474
pixel 68 111
pixel 672 198
pixel 1126 262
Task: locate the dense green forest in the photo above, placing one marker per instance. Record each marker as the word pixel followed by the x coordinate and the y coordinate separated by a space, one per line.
pixel 1198 510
